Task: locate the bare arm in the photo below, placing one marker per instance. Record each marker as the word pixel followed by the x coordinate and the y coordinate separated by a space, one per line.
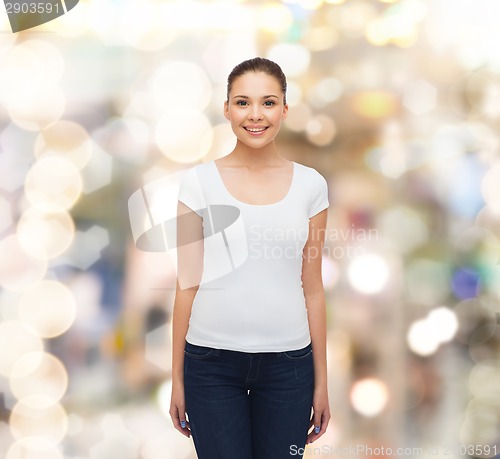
pixel 190 268
pixel 314 293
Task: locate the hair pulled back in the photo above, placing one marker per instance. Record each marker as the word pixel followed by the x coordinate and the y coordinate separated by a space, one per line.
pixel 258 64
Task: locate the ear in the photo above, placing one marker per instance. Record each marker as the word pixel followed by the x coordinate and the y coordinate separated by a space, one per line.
pixel 285 112
pixel 226 110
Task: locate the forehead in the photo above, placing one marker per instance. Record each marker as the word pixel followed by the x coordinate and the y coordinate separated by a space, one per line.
pixel 256 83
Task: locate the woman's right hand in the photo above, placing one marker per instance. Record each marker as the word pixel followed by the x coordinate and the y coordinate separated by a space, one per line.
pixel 178 409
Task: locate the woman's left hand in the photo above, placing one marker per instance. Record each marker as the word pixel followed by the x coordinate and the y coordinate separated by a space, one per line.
pixel 321 414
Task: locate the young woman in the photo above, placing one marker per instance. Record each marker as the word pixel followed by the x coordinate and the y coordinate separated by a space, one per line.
pixel 249 374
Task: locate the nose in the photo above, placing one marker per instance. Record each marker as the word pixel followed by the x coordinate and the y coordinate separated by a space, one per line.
pixel 255 113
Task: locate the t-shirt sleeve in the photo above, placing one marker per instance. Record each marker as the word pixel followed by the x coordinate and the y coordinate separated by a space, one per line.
pixel 319 195
pixel 190 191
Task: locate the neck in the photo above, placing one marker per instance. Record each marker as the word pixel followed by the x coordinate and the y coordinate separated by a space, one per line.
pixel 266 155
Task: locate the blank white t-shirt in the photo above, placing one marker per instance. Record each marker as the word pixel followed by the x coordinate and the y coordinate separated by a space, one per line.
pixel 253 301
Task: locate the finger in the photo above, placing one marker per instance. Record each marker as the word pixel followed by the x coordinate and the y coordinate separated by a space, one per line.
pixel 320 422
pixel 317 422
pixel 180 422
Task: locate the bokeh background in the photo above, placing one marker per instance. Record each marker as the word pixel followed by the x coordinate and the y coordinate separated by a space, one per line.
pixel 395 102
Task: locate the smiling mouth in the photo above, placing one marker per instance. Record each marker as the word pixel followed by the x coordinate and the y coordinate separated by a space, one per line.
pixel 256 130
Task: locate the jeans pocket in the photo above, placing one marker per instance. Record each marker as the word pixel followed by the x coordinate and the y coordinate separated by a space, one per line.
pixel 299 353
pixel 195 351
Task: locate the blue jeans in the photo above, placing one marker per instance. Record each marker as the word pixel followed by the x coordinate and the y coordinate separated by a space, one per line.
pixel 248 405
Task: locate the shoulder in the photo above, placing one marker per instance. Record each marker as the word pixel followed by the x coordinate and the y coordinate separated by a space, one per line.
pixel 309 174
pixel 195 171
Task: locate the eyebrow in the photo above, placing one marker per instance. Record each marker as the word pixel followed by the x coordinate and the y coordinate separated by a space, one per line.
pixel 263 97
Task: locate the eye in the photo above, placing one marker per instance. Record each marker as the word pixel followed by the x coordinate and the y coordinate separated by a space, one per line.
pixel 269 103
pixel 241 102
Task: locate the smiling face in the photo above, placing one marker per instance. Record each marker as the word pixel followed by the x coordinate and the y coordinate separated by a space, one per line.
pixel 255 108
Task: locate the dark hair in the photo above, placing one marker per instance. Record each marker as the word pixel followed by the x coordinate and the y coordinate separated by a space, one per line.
pixel 258 64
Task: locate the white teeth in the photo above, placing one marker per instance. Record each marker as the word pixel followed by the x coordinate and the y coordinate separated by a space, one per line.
pixel 255 130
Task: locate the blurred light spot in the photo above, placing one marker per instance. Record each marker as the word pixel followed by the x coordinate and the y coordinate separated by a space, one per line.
pixel 376 33
pixel 29 69
pixel 484 141
pixel 420 97
pixel 369 396
pixel 67 139
pixel 480 430
pixel 97 173
pixel 461 182
pixel 118 441
pixel 274 18
pixel 141 105
pixel 464 283
pixel 224 51
pixel 184 136
pixel 331 273
pixel 294 59
pixel 427 281
pixel 86 248
pixel 443 323
pixel 482 335
pixel 326 91
pixel 394 158
pixel 309 4
pixel 45 235
pixel 298 118
pixel 16 156
pixel 476 247
pixel 142 26
pixel 38 373
pixel 405 227
pixel 354 17
pixel 438 327
pixel 374 104
pixel 5 214
pixel 34 112
pixel 18 451
pixel 421 338
pixel 482 92
pixel 53 184
pixel 75 424
pixel 293 94
pixel 197 15
pixel 321 38
pixel 78 24
pixel 49 307
pixel 484 377
pixel 368 273
pixel 124 138
pixel 476 322
pixel 164 395
pixel 180 86
pixel 223 140
pixel 490 186
pixel 489 218
pixel 335 2
pixel 157 347
pixel 321 130
pixel 38 422
pixel 447 145
pixel 16 340
pixel 18 270
pixel 398 24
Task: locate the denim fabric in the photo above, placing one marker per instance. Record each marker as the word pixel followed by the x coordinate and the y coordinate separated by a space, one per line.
pixel 248 405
